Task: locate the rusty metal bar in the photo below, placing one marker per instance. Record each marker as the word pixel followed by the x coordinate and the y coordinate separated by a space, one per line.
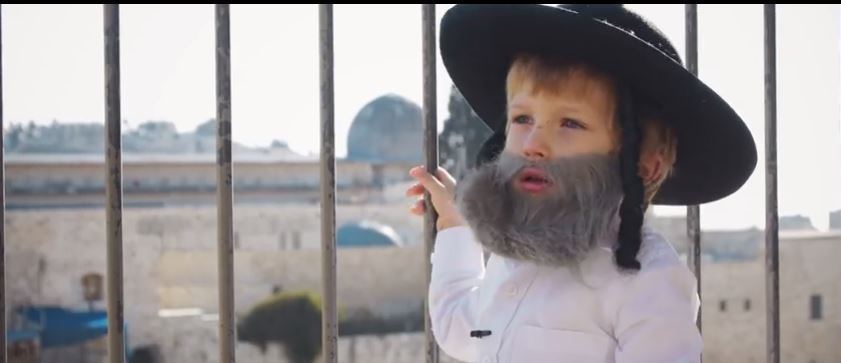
pixel 329 317
pixel 772 236
pixel 3 329
pixel 113 186
pixel 693 212
pixel 224 190
pixel 430 142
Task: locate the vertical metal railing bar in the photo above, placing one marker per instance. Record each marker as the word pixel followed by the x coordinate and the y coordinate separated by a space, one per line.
pixel 772 238
pixel 329 317
pixel 224 187
pixel 3 327
pixel 430 142
pixel 693 212
pixel 113 186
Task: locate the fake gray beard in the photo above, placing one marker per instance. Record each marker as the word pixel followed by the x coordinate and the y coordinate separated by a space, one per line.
pixel 559 226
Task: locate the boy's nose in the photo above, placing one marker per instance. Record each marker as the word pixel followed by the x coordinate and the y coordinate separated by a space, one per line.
pixel 535 147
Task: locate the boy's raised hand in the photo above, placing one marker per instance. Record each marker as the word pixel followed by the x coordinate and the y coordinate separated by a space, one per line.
pixel 441 191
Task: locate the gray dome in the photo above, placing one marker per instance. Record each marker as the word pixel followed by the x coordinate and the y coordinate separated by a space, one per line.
pixel 389 128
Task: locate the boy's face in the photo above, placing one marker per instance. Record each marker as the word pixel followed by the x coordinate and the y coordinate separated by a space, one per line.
pixel 575 118
pixel 554 192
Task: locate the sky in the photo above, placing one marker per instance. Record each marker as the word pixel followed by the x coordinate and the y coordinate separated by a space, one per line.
pixel 53 70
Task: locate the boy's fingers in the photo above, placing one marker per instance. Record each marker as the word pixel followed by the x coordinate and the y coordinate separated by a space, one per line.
pixel 416 189
pixel 431 184
pixel 445 178
pixel 418 208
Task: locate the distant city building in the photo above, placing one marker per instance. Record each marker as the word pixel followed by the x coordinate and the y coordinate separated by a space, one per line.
pixel 835 220
pixel 171 252
pixel 796 223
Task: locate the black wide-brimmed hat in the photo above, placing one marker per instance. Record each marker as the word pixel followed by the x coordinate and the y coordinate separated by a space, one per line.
pixel 715 150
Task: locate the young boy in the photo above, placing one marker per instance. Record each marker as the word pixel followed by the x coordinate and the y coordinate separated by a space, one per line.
pixel 594 119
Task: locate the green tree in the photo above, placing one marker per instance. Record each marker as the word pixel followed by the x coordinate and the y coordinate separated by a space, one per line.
pixel 462 137
pixel 291 319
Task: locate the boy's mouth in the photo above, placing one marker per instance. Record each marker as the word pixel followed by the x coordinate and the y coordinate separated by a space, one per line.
pixel 532 180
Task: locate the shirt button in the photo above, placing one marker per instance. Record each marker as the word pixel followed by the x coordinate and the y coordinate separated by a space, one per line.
pixel 512 290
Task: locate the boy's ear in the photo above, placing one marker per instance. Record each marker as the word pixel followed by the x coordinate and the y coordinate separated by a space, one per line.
pixel 651 165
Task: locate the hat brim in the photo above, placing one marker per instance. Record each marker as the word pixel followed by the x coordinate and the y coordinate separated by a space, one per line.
pixel 716 153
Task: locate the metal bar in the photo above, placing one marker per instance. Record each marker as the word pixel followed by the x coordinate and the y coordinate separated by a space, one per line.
pixel 772 238
pixel 113 185
pixel 224 190
pixel 430 142
pixel 3 329
pixel 693 212
pixel 329 318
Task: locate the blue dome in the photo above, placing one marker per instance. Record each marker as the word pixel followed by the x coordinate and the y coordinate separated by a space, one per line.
pixel 366 234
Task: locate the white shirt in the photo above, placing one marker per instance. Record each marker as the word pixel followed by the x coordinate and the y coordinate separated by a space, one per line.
pixel 541 314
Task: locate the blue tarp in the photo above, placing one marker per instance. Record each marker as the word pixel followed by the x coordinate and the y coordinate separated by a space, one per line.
pixel 61 327
pixel 21 335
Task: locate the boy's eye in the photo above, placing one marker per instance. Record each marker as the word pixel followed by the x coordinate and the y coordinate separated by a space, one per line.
pixel 521 119
pixel 572 123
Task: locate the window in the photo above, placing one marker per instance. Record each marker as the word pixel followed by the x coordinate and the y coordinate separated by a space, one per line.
pixel 282 241
pixel 747 304
pixel 722 306
pixel 296 240
pixel 815 307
